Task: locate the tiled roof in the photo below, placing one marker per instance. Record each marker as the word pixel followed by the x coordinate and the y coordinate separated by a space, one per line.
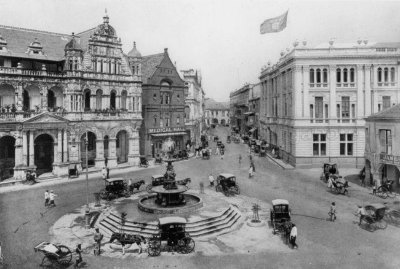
pixel 18 40
pixel 387 45
pixel 211 104
pixel 389 113
pixel 149 65
pixel 84 37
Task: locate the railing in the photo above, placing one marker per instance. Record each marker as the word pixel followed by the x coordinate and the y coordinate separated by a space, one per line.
pixel 389 159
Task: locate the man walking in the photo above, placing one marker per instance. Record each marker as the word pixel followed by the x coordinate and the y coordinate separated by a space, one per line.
pixel 97 238
pixel 361 211
pixel 332 212
pixel 52 197
pixel 104 173
pixel 251 172
pixel 211 179
pixel 46 198
pixel 240 159
pixel 293 236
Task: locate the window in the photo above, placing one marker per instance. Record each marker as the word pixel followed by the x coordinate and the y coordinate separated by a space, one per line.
pixel 161 122
pixel 346 144
pixel 99 96
pixel 338 112
pixel 318 75
pixel 155 121
pixel 386 102
pixel 353 112
pixel 1 62
pixel 312 76
pixel 326 113
pixel 345 108
pixel 338 75
pixel 352 77
pixel 311 113
pixel 167 99
pixel 325 75
pixel 123 99
pixel 162 98
pixel 178 120
pixel 345 75
pixel 379 107
pixel 319 109
pixel 167 122
pixel 319 144
pixel 392 76
pixel 386 74
pixel 385 139
pixel 379 76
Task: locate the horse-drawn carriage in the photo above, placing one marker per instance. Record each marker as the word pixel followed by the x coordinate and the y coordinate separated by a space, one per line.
pixel 115 188
pixel 226 183
pixel 280 218
pixel 54 254
pixel 373 220
pixel 143 162
pixel 263 150
pixel 338 184
pixel 171 230
pixel 329 169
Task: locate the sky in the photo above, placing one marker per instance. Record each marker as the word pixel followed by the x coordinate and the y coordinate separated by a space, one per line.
pixel 219 37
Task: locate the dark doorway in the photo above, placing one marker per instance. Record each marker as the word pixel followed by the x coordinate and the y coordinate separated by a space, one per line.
pixel 7 157
pixel 25 101
pixel 87 100
pixel 112 100
pixel 44 153
pixel 51 100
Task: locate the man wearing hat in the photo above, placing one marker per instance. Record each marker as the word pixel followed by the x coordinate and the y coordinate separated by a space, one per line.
pixel 51 197
pixel 97 238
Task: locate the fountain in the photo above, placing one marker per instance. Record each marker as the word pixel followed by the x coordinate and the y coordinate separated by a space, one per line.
pixel 170 197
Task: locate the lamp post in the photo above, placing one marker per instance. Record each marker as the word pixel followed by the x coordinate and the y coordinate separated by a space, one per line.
pixel 87 210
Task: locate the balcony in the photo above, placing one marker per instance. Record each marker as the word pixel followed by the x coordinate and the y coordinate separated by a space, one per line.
pixel 389 159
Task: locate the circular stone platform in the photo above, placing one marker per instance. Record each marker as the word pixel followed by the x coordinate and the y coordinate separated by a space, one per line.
pixel 148 204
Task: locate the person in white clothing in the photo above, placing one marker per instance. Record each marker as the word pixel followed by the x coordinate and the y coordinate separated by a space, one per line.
pixel 46 198
pixel 211 179
pixel 52 196
pixel 293 236
pixel 104 173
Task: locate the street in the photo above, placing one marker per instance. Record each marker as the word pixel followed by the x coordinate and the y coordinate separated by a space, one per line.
pixel 25 221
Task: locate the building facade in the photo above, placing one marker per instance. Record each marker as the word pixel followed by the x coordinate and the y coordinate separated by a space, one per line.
pixel 252 117
pixel 382 147
pixel 314 100
pixel 163 106
pixel 194 104
pixel 61 94
pixel 238 106
pixel 216 112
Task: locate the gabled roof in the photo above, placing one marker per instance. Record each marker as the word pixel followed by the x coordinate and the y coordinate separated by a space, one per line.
pixel 149 65
pixel 390 113
pixel 18 40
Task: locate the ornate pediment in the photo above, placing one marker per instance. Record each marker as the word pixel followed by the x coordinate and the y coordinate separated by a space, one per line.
pixel 46 117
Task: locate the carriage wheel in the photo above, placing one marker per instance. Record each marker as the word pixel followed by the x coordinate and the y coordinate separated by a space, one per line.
pixel 381 224
pixel 148 188
pixel 218 188
pixel 65 256
pixel 48 261
pixel 186 245
pixel 368 223
pixel 154 251
pixel 382 194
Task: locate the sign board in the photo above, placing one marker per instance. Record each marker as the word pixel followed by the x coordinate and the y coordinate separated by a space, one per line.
pixel 166 130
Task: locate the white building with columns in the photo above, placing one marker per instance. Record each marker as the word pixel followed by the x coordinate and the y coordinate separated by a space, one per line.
pixel 314 100
pixel 58 91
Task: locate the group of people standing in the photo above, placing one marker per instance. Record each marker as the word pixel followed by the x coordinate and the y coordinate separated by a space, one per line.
pixel 49 198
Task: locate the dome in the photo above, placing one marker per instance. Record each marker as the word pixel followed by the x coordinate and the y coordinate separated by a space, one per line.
pixel 73 44
pixel 134 53
pixel 105 28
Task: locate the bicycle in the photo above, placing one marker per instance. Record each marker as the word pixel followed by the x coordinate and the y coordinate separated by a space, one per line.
pixel 384 191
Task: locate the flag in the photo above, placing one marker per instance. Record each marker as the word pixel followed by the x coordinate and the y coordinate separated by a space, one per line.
pixel 274 25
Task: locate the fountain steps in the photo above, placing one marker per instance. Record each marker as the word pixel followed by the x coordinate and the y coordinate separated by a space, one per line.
pixel 221 223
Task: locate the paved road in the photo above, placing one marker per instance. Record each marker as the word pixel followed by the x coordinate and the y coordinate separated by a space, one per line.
pixel 24 220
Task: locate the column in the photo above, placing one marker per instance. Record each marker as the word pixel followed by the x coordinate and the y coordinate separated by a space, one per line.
pixel 57 154
pixel 133 154
pixel 367 85
pixel 99 161
pixel 139 103
pixel 112 152
pixel 65 142
pixel 332 93
pixel 306 86
pixel 31 150
pixel 43 94
pixel 360 95
pixel 19 161
pixel 24 148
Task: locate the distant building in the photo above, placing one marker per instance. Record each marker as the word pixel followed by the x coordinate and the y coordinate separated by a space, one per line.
pixel 253 115
pixel 163 105
pixel 194 104
pixel 239 109
pixel 216 112
pixel 382 147
pixel 314 100
pixel 61 94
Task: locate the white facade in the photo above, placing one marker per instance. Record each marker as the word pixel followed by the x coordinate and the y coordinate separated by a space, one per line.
pixel 314 100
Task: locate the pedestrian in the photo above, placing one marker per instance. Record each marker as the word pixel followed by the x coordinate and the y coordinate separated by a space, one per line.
pixel 361 211
pixel 252 165
pixel 332 211
pixel 240 159
pixel 130 185
pixel 217 151
pixel 222 154
pixel 97 238
pixel 209 152
pixel 78 252
pixel 104 173
pixel 108 172
pixel 211 179
pixel 46 198
pixel 293 236
pixel 52 195
pixel 251 172
pixel 374 188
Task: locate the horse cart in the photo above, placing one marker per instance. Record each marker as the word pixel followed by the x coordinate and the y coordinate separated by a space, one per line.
pixel 280 218
pixel 54 254
pixel 172 231
pixel 115 188
pixel 226 183
pixel 329 169
pixel 373 220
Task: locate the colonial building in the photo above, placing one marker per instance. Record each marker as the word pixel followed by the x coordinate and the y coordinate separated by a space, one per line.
pixel 382 147
pixel 194 104
pixel 239 109
pixel 253 115
pixel 314 100
pixel 216 112
pixel 58 91
pixel 163 105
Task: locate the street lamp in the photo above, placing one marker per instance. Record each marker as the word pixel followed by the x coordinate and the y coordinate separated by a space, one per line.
pixel 87 210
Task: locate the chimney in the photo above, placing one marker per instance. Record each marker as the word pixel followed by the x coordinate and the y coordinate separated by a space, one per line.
pixel 166 51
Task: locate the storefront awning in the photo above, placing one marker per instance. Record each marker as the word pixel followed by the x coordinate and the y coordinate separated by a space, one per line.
pixel 252 130
pixel 169 134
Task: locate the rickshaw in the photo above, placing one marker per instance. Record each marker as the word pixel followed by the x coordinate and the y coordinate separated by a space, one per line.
pixel 226 183
pixel 263 150
pixel 171 230
pixel 216 138
pixel 73 171
pixel 54 254
pixel 373 220
pixel 115 188
pixel 143 161
pixel 205 154
pixel 280 217
pixel 156 180
pixel 327 169
pixel 228 139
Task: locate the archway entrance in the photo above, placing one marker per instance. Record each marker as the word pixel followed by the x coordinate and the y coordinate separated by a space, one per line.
pixel 215 121
pixel 122 145
pixel 223 122
pixel 44 153
pixel 7 157
pixel 91 149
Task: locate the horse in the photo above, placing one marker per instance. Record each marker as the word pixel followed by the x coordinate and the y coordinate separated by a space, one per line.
pixel 183 182
pixel 136 185
pixel 128 239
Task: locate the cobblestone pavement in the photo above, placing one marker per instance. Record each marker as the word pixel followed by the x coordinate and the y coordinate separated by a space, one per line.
pixel 322 244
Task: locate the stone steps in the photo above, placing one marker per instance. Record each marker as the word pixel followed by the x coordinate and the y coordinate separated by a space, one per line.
pixel 221 223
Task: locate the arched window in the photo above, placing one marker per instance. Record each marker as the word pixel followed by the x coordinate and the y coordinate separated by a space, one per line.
pixel 352 77
pixel 318 75
pixel 112 99
pixel 386 74
pixel 345 75
pixel 123 99
pixel 155 120
pixel 392 74
pixel 325 75
pixel 311 113
pixel 178 120
pixel 311 75
pixel 51 99
pixel 99 96
pixel 379 74
pixel 167 99
pixel 87 100
pixel 338 75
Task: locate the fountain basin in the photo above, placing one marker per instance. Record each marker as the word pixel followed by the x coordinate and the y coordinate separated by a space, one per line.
pixel 148 204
